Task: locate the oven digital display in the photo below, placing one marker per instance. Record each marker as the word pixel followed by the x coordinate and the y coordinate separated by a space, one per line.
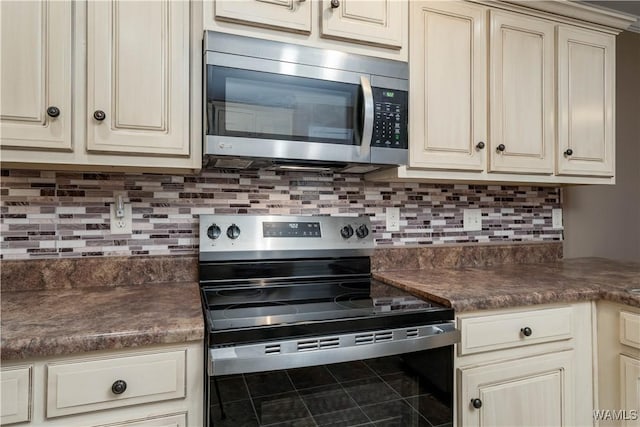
pixel 291 229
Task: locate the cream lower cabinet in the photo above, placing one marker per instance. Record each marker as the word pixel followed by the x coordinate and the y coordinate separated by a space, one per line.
pixel 525 367
pixel 147 387
pixel 123 92
pixel 618 365
pixel 527 391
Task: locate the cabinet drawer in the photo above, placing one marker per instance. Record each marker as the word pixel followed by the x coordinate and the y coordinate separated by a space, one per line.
pixel 630 329
pixel 15 395
pixel 498 331
pixel 90 385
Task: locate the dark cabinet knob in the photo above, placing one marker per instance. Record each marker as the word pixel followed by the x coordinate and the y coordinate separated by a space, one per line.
pixel 118 387
pixel 213 231
pixel 335 3
pixel 346 231
pixel 476 403
pixel 53 111
pixel 99 115
pixel 233 232
pixel 480 145
pixel 568 152
pixel 501 147
pixel 526 331
pixel 362 231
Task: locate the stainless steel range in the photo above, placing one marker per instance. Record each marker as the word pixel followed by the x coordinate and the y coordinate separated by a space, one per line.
pixel 299 333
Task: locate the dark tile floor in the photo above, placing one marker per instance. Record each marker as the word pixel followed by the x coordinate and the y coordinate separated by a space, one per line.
pixel 377 392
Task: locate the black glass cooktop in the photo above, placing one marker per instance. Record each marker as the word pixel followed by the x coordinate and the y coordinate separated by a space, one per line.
pixel 258 313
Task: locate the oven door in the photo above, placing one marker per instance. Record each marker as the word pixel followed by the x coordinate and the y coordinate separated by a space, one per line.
pixel 406 390
pixel 279 110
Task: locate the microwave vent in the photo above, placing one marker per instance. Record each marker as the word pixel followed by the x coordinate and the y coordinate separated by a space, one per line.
pixel 233 163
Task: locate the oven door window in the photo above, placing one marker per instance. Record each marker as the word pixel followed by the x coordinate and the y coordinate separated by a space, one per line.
pixel 253 104
pixel 407 390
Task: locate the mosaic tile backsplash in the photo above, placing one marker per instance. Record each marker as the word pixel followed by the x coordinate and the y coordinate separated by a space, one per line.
pixel 47 214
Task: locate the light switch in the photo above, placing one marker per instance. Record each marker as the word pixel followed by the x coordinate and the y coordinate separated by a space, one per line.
pixel 472 220
pixel 556 218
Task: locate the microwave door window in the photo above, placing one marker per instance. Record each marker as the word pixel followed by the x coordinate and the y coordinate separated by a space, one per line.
pixel 272 106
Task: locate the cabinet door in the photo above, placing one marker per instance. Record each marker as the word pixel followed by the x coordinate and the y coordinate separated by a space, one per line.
pixel 378 22
pixel 525 392
pixel 585 102
pixel 521 97
pixel 288 15
pixel 630 390
pixel 138 77
pixel 15 395
pixel 35 74
pixel 447 60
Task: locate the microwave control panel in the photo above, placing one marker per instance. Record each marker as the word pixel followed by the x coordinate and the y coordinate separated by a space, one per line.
pixel 390 109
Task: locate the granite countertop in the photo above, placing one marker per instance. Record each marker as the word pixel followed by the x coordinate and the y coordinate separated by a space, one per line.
pixel 502 286
pixel 66 321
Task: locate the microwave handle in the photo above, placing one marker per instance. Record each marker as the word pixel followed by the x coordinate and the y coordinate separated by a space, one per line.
pixel 367 125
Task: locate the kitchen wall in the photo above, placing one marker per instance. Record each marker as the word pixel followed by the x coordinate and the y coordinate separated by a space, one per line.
pixel 602 220
pixel 47 214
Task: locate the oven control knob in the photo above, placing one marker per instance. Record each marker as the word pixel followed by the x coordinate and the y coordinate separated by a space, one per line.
pixel 213 231
pixel 233 231
pixel 362 231
pixel 346 231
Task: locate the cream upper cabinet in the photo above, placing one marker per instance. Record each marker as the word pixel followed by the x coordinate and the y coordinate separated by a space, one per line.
pixel 124 78
pixel 138 77
pixel 534 391
pixel 288 15
pixel 586 81
pixel 521 99
pixel 453 100
pixel 373 21
pixel 35 73
pixel 367 27
pixel 448 51
pixel 504 92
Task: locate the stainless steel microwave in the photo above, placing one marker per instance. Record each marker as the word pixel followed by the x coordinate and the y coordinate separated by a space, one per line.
pixel 271 103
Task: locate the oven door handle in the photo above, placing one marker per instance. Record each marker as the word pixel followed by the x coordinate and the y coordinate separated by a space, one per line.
pixel 367 111
pixel 297 353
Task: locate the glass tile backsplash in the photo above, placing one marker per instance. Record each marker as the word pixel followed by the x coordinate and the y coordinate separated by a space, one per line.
pixel 46 214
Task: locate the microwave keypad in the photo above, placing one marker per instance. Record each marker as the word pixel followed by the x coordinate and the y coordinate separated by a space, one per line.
pixel 387 124
pixel 390 122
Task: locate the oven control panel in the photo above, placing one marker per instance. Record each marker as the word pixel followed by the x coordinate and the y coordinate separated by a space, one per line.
pixel 291 229
pixel 273 235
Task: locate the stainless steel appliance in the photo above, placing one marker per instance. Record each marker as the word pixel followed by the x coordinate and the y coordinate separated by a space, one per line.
pixel 298 333
pixel 270 103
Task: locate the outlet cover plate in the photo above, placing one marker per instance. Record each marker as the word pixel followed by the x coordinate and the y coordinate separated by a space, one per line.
pixel 393 219
pixel 556 218
pixel 472 220
pixel 121 225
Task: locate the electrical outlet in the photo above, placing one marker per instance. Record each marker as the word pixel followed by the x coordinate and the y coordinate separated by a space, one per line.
pixel 124 224
pixel 556 218
pixel 393 219
pixel 472 220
